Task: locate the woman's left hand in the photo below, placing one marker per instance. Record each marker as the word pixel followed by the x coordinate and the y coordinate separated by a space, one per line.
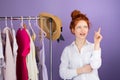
pixel 97 39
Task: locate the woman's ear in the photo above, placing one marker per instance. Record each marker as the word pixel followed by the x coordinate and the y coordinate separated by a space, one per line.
pixel 73 31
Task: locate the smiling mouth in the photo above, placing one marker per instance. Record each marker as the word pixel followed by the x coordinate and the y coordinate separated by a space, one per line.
pixel 82 34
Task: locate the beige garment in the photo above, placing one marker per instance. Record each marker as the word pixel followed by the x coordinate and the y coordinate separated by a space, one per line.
pixel 15 46
pixel 1 58
pixel 9 71
pixel 1 47
pixel 31 61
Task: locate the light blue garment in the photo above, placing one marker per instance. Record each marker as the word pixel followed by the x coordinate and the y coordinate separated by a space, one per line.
pixel 43 74
pixel 40 53
pixel 42 59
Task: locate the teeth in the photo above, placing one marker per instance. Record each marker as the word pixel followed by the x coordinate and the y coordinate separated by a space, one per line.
pixel 82 34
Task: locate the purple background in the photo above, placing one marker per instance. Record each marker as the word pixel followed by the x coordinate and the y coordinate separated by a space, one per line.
pixel 103 13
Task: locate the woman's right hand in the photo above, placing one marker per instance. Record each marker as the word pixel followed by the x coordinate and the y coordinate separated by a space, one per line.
pixel 85 69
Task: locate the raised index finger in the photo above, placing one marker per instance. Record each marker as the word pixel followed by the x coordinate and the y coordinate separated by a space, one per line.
pixel 99 30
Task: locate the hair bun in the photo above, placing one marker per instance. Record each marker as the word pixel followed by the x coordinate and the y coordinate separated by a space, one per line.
pixel 75 14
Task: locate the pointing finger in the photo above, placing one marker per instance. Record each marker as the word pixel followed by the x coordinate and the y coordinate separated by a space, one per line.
pixel 99 30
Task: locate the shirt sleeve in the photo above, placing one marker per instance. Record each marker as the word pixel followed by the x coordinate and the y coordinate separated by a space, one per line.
pixel 64 70
pixel 96 60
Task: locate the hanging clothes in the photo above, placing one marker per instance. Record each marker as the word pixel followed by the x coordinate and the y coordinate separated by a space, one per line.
pixel 2 63
pixel 42 56
pixel 31 61
pixel 15 46
pixel 40 76
pixel 43 74
pixel 20 63
pixel 23 42
pixel 1 47
pixel 9 69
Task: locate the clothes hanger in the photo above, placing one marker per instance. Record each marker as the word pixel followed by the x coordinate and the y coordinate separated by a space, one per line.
pixel 6 21
pixel 11 22
pixel 45 34
pixel 33 32
pixel 0 27
pixel 22 24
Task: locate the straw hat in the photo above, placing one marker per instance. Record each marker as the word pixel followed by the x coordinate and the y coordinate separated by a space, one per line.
pixel 44 23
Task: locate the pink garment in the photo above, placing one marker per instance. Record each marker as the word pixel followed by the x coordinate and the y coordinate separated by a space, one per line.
pixel 23 42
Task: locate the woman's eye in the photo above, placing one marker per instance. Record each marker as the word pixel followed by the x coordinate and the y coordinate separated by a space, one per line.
pixel 85 26
pixel 79 27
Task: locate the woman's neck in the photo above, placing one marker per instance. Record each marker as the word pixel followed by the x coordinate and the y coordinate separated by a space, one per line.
pixel 79 43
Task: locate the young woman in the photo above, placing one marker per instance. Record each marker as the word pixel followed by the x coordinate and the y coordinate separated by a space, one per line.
pixel 81 59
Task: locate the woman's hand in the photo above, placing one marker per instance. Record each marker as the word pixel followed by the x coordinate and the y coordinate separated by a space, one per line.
pixel 97 39
pixel 85 69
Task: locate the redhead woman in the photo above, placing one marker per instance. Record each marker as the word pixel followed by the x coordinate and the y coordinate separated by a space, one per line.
pixel 81 59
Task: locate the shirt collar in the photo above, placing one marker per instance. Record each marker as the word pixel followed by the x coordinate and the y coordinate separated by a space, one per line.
pixel 87 43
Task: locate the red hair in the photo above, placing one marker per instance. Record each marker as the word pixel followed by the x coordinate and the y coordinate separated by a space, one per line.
pixel 76 17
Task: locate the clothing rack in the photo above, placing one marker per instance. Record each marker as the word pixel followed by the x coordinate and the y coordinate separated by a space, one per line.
pixel 35 18
pixel 21 17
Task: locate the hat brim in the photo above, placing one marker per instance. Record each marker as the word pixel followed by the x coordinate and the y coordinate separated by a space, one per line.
pixel 44 23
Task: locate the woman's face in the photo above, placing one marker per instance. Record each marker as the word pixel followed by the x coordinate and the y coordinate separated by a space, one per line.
pixel 81 29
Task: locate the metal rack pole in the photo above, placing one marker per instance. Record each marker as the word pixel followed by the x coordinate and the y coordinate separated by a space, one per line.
pixel 50 48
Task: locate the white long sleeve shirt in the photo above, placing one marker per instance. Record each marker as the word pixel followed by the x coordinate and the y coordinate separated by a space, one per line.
pixel 71 59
